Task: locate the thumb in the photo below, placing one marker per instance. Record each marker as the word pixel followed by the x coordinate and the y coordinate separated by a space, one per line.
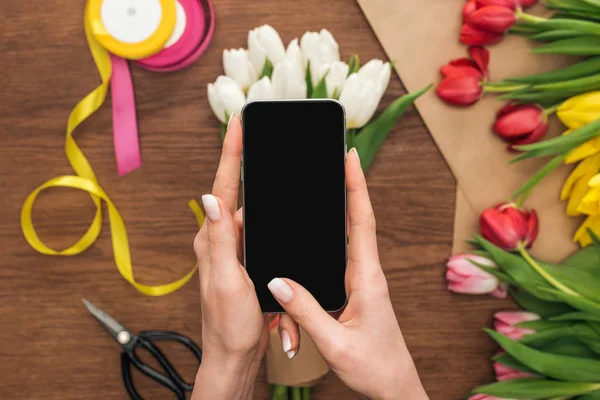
pixel 305 310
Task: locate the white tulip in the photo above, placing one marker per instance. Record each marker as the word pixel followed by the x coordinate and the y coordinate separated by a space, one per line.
pixel 335 78
pixel 295 55
pixel 261 90
pixel 288 82
pixel 264 43
pixel 360 99
pixel 378 72
pixel 319 48
pixel 225 96
pixel 238 67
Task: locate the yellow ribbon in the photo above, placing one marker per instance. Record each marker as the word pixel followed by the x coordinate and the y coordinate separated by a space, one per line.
pixel 86 181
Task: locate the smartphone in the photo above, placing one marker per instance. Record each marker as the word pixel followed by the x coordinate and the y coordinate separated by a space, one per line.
pixel 294 195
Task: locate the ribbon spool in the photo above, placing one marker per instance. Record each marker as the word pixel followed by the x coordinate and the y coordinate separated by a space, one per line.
pixel 115 25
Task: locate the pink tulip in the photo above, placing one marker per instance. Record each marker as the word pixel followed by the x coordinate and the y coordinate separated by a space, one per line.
pixel 484 397
pixel 506 321
pixel 465 277
pixel 504 373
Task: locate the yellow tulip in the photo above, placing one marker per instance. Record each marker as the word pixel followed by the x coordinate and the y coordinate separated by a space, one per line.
pixel 582 236
pixel 587 149
pixel 590 204
pixel 576 186
pixel 580 110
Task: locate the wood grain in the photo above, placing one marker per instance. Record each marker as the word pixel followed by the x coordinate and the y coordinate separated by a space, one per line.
pixel 50 346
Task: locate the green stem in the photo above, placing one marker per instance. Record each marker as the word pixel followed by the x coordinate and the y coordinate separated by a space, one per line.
pixel 551 110
pixel 491 88
pixel 528 17
pixel 306 393
pixel 521 199
pixel 544 274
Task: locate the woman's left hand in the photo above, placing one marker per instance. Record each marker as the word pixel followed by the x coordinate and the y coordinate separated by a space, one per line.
pixel 234 331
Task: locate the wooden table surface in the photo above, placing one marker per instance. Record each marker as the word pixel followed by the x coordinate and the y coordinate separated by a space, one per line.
pixel 50 347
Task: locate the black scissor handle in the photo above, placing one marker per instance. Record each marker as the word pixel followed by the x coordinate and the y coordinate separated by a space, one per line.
pixel 152 336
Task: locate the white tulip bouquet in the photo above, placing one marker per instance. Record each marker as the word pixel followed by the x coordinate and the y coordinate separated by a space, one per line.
pixel 309 68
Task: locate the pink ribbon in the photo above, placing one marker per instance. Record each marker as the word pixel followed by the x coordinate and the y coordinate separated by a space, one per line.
pixel 198 32
pixel 125 129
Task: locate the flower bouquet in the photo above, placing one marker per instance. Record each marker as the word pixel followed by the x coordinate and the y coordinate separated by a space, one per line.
pixel 307 68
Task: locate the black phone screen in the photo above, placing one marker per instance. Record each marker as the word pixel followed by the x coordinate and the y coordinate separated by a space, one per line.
pixel 295 198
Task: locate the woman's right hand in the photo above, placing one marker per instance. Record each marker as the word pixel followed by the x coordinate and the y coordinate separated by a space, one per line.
pixel 364 346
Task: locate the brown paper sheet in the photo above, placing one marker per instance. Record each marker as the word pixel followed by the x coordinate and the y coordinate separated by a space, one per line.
pixel 422 36
pixel 307 368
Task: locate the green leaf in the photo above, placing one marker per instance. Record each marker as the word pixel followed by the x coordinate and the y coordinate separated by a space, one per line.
pixel 541 325
pixel 587 259
pixel 350 138
pixel 591 396
pixel 596 244
pixel 581 281
pixel 581 332
pixel 574 5
pixel 553 35
pixel 570 347
pixel 563 144
pixel 224 126
pixel 595 3
pixel 541 174
pixel 309 82
pixel 576 316
pixel 584 68
pixel 590 82
pixel 584 27
pixel 267 69
pixel 353 64
pixel 566 368
pixel 531 388
pixel 579 46
pixel 545 309
pixel 509 361
pixel 372 136
pixel 320 91
pixel 579 303
pixel 518 270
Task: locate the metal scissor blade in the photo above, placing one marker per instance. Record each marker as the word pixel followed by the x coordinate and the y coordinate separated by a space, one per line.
pixel 109 323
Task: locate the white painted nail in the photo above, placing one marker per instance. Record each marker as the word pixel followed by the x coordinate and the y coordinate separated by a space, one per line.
pixel 286 341
pixel 230 119
pixel 281 290
pixel 353 150
pixel 291 354
pixel 211 206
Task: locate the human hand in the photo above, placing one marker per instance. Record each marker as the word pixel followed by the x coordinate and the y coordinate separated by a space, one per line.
pixel 364 346
pixel 234 332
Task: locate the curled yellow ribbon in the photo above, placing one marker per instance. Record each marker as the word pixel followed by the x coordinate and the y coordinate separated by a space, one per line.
pixel 86 180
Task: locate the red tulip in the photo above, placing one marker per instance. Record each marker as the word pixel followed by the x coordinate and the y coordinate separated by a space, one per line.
pixel 502 3
pixel 508 227
pixel 469 8
pixel 492 19
pixel 462 78
pixel 521 124
pixel 476 37
pixel 527 3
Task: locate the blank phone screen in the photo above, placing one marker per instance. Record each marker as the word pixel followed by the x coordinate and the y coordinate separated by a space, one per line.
pixel 295 198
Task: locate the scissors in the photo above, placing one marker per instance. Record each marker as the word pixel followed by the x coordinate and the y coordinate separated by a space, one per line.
pixel 130 342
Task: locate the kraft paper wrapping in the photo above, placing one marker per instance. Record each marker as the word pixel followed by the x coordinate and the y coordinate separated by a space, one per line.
pixel 307 368
pixel 421 36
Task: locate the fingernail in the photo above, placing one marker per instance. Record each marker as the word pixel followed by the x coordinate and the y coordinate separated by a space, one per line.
pixel 291 354
pixel 230 119
pixel 353 150
pixel 286 341
pixel 281 290
pixel 211 206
